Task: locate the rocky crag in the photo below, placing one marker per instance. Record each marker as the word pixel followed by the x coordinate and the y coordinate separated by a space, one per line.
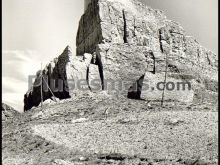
pixel 127 40
pixel 97 128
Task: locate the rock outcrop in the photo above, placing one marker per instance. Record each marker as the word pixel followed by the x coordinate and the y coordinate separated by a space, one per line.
pixel 61 78
pixel 54 75
pixel 8 112
pixel 120 43
pixel 132 40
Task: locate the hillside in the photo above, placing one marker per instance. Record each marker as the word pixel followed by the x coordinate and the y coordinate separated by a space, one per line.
pixel 100 129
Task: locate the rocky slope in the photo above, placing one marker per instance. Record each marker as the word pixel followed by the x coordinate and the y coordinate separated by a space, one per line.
pixel 97 128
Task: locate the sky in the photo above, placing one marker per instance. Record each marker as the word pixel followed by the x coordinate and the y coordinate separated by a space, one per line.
pixel 36 31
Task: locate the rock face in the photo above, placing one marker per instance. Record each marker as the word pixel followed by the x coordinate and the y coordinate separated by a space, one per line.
pixel 61 78
pixel 8 112
pixel 123 42
pixel 132 40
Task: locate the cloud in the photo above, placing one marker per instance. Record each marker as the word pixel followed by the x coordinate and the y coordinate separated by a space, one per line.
pixel 8 89
pixel 17 66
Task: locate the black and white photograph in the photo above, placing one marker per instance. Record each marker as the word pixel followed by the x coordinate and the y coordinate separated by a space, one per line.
pixel 109 82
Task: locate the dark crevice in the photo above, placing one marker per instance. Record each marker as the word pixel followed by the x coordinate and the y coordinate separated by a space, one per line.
pixel 96 60
pixel 165 78
pixel 172 32
pixel 93 60
pixel 87 78
pixel 125 27
pixel 209 61
pixel 116 157
pixel 144 159
pixel 154 69
pixel 100 66
pixel 87 70
pixel 135 27
pixel 160 41
pixel 122 158
pixel 106 53
pixel 184 44
pixel 134 91
pixel 173 68
pixel 198 53
pixel 149 57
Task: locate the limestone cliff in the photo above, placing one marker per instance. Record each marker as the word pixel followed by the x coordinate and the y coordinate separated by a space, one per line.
pixel 132 40
pixel 124 41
